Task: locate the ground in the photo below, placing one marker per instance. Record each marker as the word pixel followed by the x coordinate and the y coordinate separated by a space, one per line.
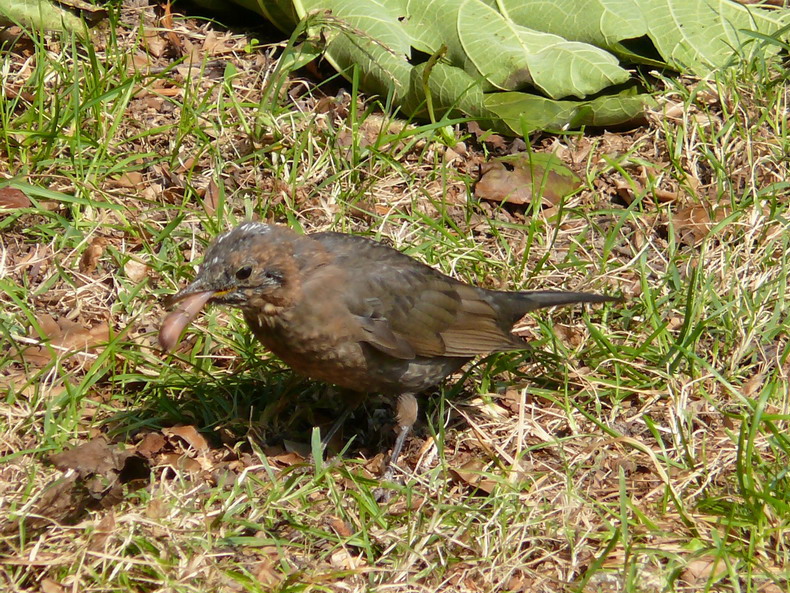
pixel 636 446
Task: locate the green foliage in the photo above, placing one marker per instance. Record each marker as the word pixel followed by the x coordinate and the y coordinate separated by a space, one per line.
pixel 560 63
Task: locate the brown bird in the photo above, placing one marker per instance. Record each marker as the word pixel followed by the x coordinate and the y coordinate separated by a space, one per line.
pixel 355 313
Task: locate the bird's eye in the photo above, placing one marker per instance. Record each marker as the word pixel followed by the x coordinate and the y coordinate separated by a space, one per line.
pixel 243 273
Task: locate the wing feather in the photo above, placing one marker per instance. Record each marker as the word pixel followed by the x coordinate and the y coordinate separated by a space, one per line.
pixel 410 308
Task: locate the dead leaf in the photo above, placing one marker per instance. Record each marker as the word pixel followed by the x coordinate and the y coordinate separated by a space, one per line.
pixel 156 509
pixel 96 456
pixel 186 166
pixel 340 527
pixel 372 131
pixel 50 586
pixel 266 574
pixel 95 473
pixel 136 271
pixel 102 533
pixel 572 336
pixel 215 46
pixel 63 336
pixel 181 463
pixel 377 465
pixel 189 434
pixel 692 224
pixel 167 22
pixel 495 141
pixel 282 458
pixel 516 179
pixel 345 560
pixel 471 473
pixel 62 501
pixel 211 198
pixel 151 444
pixel 154 43
pixel 753 384
pixel 49 327
pixel 90 257
pixel 130 179
pixel 13 199
pixel 700 570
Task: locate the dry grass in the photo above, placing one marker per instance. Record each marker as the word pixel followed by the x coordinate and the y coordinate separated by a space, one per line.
pixel 639 447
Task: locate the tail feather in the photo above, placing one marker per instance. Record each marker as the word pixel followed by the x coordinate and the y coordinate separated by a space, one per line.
pixel 522 303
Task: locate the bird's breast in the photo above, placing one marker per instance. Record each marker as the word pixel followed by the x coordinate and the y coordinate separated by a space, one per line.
pixel 319 350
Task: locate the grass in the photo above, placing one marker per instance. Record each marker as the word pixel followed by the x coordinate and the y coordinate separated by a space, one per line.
pixel 638 447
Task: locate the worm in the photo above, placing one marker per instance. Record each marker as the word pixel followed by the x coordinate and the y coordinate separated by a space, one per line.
pixel 179 318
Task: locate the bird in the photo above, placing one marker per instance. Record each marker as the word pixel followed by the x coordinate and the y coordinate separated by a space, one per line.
pixel 352 312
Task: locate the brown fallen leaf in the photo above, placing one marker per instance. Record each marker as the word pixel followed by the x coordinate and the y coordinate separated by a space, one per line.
pixel 518 178
pixel 266 574
pixel 496 141
pixel 211 198
pixel 50 586
pixel 181 463
pixel 96 456
pixel 280 457
pixel 151 444
pixel 752 385
pixel 12 199
pixel 167 23
pixel 189 434
pixel 63 336
pixel 63 501
pixel 701 570
pixel 95 472
pixel 128 180
pixel 345 560
pixel 102 533
pixel 136 271
pixel 570 335
pixel 692 224
pixel 213 45
pixel 90 257
pixel 471 473
pixel 154 43
pixel 339 526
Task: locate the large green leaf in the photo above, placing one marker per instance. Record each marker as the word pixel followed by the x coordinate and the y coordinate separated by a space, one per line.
pixel 604 23
pixel 690 35
pixel 377 20
pixel 525 112
pixel 525 57
pixel 698 35
pixel 367 35
pixel 41 14
pixel 518 63
pixel 451 91
pixel 434 24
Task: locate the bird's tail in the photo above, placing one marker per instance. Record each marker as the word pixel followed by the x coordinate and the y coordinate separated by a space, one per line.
pixel 522 303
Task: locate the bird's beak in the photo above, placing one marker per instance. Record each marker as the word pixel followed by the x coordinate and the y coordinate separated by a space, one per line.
pixel 198 286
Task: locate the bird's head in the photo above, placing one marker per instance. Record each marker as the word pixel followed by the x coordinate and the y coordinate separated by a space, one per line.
pixel 248 267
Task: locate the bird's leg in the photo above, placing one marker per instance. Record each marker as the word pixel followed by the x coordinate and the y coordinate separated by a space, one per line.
pixel 350 400
pixel 341 420
pixel 406 415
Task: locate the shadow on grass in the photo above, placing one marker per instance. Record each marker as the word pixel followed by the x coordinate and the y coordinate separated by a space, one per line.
pixel 264 404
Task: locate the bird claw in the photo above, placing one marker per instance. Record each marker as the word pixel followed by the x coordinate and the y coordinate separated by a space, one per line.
pixel 383 494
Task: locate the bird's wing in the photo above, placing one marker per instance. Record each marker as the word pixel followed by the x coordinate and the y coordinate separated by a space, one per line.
pixel 406 308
